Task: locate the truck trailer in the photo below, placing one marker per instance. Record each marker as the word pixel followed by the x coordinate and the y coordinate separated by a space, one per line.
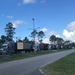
pixel 23 46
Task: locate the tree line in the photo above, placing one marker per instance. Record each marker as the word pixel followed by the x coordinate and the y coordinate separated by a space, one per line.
pixel 10 31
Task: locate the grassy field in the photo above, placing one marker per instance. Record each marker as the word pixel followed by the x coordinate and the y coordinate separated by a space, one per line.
pixel 64 66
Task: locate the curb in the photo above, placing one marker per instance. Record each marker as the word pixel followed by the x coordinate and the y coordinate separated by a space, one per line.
pixel 44 66
pixel 42 72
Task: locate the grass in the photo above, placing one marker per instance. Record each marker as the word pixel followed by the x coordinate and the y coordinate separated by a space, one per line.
pixel 24 55
pixel 64 66
pixel 13 57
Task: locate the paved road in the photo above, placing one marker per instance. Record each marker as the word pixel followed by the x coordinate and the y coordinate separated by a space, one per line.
pixel 30 66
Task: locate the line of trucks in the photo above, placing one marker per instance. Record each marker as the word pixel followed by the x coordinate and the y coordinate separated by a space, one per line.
pixel 12 47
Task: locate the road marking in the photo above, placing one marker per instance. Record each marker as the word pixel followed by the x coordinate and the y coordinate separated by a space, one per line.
pixel 42 72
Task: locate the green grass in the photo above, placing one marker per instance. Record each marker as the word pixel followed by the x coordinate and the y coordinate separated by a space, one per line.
pixel 25 55
pixel 64 66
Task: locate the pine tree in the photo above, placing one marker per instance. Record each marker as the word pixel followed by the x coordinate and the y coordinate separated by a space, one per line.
pixel 9 31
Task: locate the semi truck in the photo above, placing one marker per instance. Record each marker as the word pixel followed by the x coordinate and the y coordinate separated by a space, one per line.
pixel 8 47
pixel 43 46
pixel 24 46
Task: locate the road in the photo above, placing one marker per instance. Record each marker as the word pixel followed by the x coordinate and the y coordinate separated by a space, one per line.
pixel 30 66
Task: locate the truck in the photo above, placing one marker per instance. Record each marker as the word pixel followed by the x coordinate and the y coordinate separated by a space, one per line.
pixel 24 46
pixel 7 47
pixel 43 46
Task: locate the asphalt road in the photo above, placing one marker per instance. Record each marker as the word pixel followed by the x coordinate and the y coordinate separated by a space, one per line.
pixel 30 66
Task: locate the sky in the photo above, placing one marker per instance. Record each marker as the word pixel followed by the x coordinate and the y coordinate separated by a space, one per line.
pixel 54 17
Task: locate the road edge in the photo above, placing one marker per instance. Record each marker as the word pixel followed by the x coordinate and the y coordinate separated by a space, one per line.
pixel 45 65
pixel 42 72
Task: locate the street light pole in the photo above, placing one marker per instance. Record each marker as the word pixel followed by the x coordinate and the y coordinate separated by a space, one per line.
pixel 33 24
pixel 34 33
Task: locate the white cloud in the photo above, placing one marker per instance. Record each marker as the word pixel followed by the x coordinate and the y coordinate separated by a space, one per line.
pixel 9 17
pixel 52 33
pixel 16 23
pixel 36 39
pixel 29 1
pixel 44 29
pixel 69 35
pixel 71 26
pixel 57 36
pixel 46 40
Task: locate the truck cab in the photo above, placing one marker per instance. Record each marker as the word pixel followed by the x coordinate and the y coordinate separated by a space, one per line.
pixel 8 47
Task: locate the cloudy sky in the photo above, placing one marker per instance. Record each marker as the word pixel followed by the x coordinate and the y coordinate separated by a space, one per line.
pixel 52 16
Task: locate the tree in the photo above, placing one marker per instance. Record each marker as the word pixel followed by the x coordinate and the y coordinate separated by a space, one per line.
pixel 9 31
pixel 52 39
pixel 26 39
pixel 40 35
pixel 19 40
pixel 3 38
pixel 33 34
pixel 73 44
pixel 0 43
pixel 59 40
pixel 67 42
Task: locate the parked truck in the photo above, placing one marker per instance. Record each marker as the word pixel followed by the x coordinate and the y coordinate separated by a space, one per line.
pixel 8 47
pixel 43 46
pixel 23 46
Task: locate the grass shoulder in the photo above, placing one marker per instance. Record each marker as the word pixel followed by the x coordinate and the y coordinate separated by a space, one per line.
pixel 64 66
pixel 19 56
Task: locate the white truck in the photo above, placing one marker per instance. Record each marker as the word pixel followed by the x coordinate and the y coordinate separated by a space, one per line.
pixel 8 47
